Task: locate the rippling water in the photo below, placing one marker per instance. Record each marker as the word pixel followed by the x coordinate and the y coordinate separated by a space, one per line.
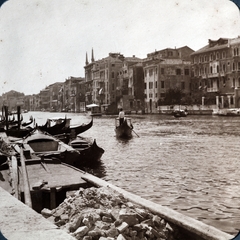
pixel 189 164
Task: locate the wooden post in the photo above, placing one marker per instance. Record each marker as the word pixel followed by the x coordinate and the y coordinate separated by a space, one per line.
pixel 18 116
pixel 6 116
pixel 52 197
pixel 26 187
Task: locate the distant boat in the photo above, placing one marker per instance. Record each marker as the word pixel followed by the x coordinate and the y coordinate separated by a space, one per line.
pixel 94 110
pixel 227 112
pixel 125 129
pixel 179 113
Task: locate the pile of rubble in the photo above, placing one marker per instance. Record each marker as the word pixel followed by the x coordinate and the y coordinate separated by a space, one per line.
pixel 101 213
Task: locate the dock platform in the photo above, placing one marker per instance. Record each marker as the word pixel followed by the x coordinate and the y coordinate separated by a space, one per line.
pixel 18 221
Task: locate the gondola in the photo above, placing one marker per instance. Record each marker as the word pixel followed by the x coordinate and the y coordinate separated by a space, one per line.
pixel 55 129
pixel 125 129
pixel 90 152
pixel 25 124
pixel 63 130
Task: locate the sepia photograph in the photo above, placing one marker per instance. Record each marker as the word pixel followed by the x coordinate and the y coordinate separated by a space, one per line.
pixel 120 119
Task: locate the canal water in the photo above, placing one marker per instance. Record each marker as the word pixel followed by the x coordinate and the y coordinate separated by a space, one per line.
pixel 189 164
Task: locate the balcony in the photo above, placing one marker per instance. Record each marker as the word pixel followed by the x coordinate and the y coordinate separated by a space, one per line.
pixel 215 89
pixel 222 74
pixel 213 75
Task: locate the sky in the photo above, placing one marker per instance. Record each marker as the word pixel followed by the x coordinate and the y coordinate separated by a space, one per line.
pixel 46 41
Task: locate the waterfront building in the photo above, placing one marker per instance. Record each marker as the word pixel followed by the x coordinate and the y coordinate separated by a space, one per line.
pixel 100 80
pixel 216 69
pixel 163 70
pixel 130 85
pixel 34 102
pixel 12 99
pixel 53 96
pixel 44 96
pixel 70 94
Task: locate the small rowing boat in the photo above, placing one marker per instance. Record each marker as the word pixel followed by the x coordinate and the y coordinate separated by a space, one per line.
pixel 125 129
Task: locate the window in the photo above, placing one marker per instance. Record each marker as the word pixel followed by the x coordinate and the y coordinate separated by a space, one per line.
pixel 178 71
pixel 150 85
pixel 155 84
pixel 183 85
pixel 150 72
pixel 224 67
pixel 162 71
pixel 162 84
pixel 205 58
pixel 186 71
pixel 239 82
pixel 113 65
pixel 150 95
pixel 112 74
pixel 223 54
pixel 238 66
pixel 113 86
pixel 155 70
pixel 217 55
pixel 145 85
pixel 233 66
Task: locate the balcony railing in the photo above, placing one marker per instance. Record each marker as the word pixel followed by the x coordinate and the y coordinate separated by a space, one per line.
pixel 212 89
pixel 213 75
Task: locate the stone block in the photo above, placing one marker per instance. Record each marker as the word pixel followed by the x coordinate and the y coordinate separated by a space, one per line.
pixel 121 237
pixel 46 212
pixel 121 228
pixel 112 232
pixel 81 231
pixel 129 218
pixel 107 219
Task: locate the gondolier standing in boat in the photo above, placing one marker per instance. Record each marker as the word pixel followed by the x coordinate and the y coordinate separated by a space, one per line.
pixel 121 116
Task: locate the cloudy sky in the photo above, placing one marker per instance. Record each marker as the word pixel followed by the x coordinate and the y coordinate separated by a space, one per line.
pixel 45 41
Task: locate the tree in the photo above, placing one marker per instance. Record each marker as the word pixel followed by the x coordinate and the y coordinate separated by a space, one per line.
pixel 173 96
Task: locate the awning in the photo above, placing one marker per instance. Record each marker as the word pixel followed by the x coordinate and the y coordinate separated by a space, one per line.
pixel 92 105
pixel 100 91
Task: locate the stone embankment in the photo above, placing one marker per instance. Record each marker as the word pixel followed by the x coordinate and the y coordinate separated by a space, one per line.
pixel 102 213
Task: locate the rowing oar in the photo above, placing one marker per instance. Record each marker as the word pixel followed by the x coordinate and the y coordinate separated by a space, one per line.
pixel 135 132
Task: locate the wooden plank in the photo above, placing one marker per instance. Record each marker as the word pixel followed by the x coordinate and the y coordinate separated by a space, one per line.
pixel 15 178
pixel 27 194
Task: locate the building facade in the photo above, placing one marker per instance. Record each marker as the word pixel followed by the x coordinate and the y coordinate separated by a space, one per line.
pixel 163 70
pixel 216 69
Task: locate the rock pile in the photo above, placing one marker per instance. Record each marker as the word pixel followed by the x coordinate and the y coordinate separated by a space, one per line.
pixel 101 213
